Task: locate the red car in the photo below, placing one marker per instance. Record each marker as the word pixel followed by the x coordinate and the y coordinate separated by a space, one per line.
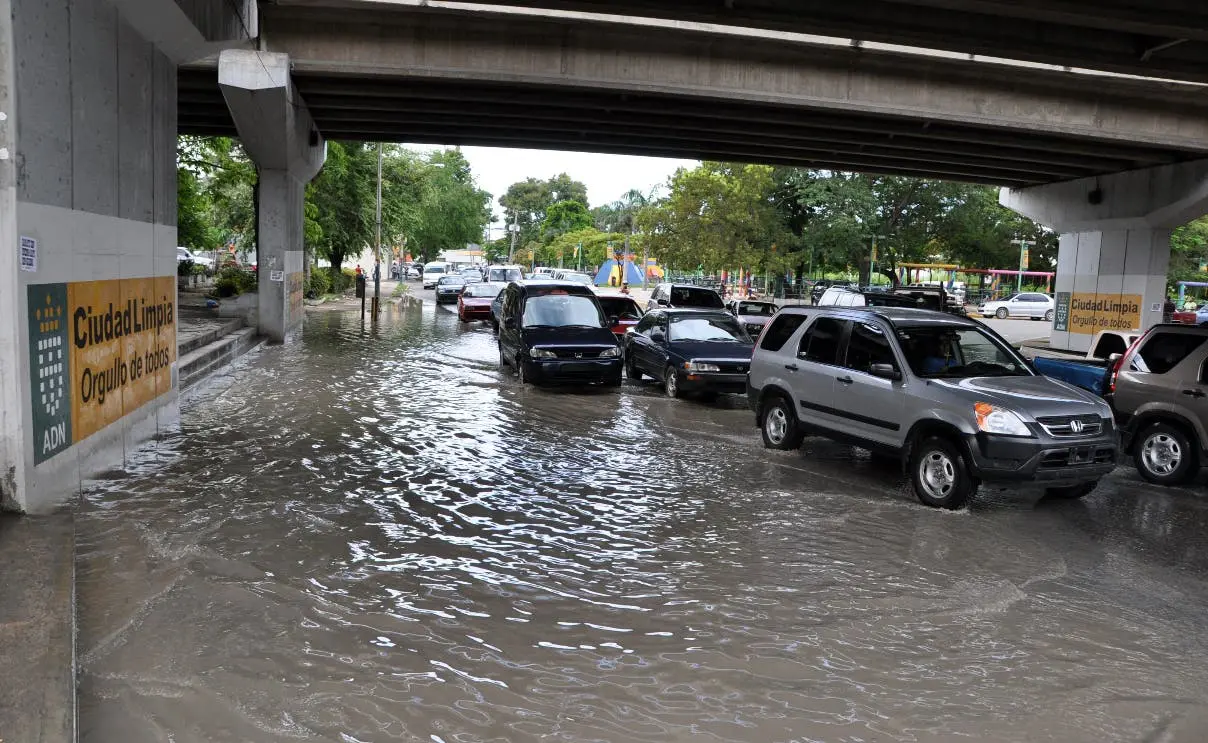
pixel 475 302
pixel 624 309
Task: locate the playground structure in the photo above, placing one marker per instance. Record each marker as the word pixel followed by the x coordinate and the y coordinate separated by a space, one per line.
pixel 614 273
pixel 1183 290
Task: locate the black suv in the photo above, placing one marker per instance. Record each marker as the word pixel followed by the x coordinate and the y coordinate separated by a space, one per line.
pixel 681 296
pixel 557 332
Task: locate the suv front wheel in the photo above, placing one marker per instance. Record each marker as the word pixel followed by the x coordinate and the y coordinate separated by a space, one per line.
pixel 940 477
pixel 779 425
pixel 1165 456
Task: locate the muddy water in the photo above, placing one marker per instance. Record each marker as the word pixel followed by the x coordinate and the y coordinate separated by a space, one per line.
pixel 377 537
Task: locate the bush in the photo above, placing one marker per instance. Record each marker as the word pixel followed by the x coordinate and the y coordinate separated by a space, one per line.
pixel 319 283
pixel 185 267
pixel 233 280
pixel 344 281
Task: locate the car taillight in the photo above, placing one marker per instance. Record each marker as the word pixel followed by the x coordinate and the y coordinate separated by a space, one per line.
pixel 1111 385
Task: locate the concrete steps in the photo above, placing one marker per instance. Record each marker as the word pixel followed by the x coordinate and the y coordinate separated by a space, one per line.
pixel 203 360
pixel 204 339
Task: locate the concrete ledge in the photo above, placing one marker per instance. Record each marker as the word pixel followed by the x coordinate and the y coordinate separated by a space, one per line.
pixel 196 365
pixel 208 337
pixel 37 629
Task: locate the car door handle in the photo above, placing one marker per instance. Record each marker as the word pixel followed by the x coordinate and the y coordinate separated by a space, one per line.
pixel 791 367
pixel 843 380
pixel 1194 393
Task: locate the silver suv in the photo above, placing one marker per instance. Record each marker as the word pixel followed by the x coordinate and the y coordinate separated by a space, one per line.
pixel 1159 390
pixel 945 395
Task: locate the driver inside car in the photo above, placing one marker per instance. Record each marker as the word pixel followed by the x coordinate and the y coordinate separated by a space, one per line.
pixel 935 359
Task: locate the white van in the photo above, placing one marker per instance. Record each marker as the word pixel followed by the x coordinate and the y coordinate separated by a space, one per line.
pixel 432 273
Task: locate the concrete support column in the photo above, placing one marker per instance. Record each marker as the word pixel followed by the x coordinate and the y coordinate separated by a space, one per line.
pixel 279 134
pixel 1115 244
pixel 1109 280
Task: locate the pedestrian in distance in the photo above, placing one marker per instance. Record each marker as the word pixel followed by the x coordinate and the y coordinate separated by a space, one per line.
pixel 359 272
pixel 624 287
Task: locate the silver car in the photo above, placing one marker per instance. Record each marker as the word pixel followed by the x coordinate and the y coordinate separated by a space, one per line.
pixel 1030 305
pixel 944 395
pixel 752 315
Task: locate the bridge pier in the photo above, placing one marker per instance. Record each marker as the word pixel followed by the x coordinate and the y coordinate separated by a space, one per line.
pixel 279 135
pixel 1115 244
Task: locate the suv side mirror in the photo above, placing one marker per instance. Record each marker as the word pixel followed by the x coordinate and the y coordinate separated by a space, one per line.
pixel 509 323
pixel 661 302
pixel 613 320
pixel 885 371
pixel 657 335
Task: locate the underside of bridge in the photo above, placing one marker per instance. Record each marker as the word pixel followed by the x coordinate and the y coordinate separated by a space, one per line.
pixel 454 112
pixel 433 76
pixel 1151 38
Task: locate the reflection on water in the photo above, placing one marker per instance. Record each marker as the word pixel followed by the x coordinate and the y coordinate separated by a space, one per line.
pixel 373 535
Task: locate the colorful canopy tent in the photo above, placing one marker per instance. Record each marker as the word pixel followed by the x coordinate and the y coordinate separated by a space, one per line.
pixel 612 274
pixel 1183 289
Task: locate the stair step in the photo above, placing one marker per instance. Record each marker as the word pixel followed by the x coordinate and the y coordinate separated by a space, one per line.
pixel 198 364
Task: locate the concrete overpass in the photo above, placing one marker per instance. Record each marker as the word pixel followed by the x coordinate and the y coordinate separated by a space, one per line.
pixel 93 93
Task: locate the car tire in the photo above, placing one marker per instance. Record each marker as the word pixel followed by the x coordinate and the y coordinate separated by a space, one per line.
pixel 671 382
pixel 631 369
pixel 1071 492
pixel 1048 316
pixel 1002 313
pixel 939 474
pixel 779 425
pixel 1165 455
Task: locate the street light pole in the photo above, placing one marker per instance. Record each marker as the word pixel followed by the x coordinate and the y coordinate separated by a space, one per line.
pixel 1023 244
pixel 377 240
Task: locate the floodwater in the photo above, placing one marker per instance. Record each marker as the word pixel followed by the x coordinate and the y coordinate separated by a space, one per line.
pixel 374 536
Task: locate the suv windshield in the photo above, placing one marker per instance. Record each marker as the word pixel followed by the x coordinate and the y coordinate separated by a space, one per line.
pixel 561 311
pixel 693 296
pixel 446 280
pixel 940 352
pixel 434 269
pixel 483 290
pixel 707 328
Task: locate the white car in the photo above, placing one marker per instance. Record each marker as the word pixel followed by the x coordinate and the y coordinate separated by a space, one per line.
pixel 1032 305
pixel 184 254
pixel 432 273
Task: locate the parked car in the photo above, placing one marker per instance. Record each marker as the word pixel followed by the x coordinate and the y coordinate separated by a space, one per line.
pixel 415 271
pixel 623 312
pixel 475 302
pixel 1159 391
pixel 690 351
pixel 449 288
pixel 672 296
pixel 184 254
pixel 576 277
pixel 946 396
pixel 432 273
pixel 1032 305
pixel 471 275
pixel 916 297
pixel 753 316
pixel 504 274
pixel 497 311
pixel 557 332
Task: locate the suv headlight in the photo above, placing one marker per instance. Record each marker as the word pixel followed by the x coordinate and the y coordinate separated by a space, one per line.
pixel 696 366
pixel 993 419
pixel 541 353
pixel 609 353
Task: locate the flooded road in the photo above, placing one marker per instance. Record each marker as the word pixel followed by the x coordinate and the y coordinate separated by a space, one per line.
pixel 375 536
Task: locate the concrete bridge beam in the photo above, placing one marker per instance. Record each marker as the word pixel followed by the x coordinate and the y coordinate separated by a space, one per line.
pixel 279 134
pixel 1115 244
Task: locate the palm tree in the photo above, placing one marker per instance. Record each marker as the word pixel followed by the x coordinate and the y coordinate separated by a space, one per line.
pixel 626 210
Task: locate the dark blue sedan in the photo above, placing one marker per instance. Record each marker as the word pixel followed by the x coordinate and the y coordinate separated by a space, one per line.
pixel 691 351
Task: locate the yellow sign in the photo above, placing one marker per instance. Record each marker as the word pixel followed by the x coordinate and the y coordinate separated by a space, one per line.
pixel 122 336
pixel 1090 312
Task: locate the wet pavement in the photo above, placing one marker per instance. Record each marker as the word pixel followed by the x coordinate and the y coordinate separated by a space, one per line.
pixel 376 536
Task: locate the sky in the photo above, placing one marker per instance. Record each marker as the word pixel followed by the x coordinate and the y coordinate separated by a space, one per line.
pixel 607 177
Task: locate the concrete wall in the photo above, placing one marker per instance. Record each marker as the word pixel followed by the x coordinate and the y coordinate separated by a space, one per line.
pixel 94 109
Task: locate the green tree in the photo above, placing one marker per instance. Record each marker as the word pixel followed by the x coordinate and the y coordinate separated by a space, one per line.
pixel 453 210
pixel 563 217
pixel 1188 251
pixel 716 216
pixel 527 201
pixel 586 247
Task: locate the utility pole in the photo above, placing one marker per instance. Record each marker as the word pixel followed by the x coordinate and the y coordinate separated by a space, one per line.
pixel 515 230
pixel 377 240
pixel 1023 244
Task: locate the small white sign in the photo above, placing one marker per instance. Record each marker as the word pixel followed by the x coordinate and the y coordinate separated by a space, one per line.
pixel 1155 307
pixel 276 276
pixel 29 254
